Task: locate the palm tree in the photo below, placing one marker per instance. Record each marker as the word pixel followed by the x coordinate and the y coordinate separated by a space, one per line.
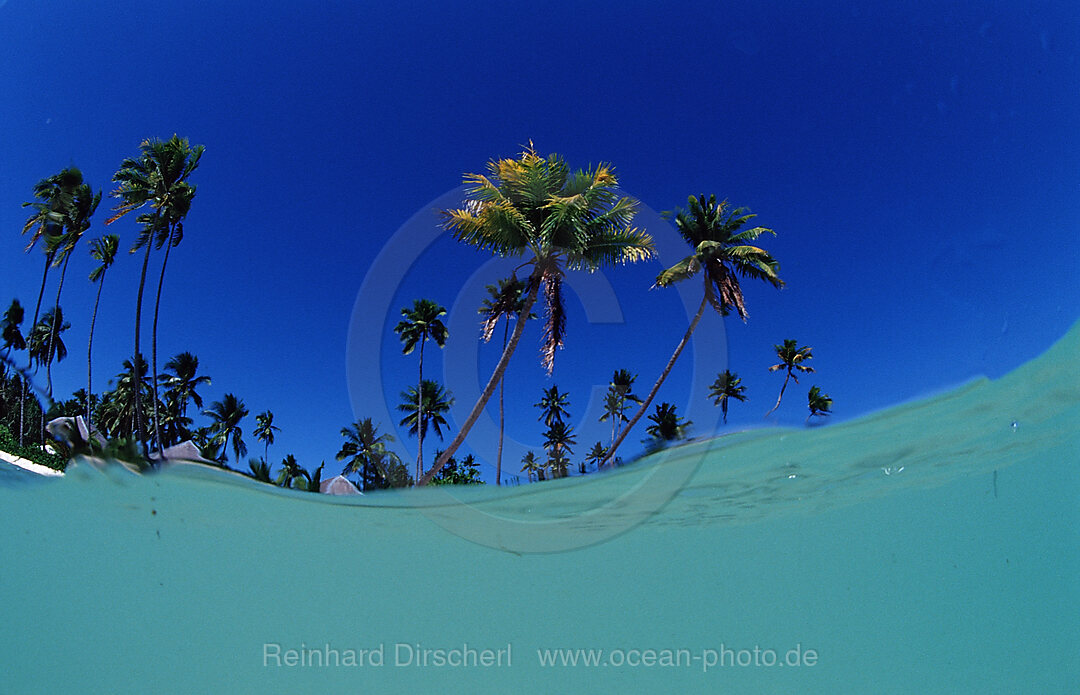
pixel 10 332
pixel 820 403
pixel 619 393
pixel 596 455
pixel 290 471
pixel 157 178
pixel 54 196
pixel 558 440
pixel 367 454
pixel 727 386
pixel 260 470
pixel 421 322
pixel 226 415
pixel 45 341
pixel 722 253
pixel 531 467
pixel 83 204
pixel 667 424
pixel 536 207
pixel 792 359
pixel 430 409
pixel 553 406
pixel 116 413
pixel 505 302
pixel 183 381
pixel 264 431
pixel 102 250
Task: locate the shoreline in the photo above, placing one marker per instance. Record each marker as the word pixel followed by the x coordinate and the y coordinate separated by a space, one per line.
pixel 28 465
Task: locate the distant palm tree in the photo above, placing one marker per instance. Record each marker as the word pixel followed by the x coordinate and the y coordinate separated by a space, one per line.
pixel 424 410
pixel 722 253
pixel 367 454
pixel 226 415
pixel 183 381
pixel 619 393
pixel 506 301
pixel 54 197
pixel 820 403
pixel 421 322
pixel 553 406
pixel 531 467
pixel 290 471
pixel 117 408
pixel 792 359
pixel 10 332
pixel 536 207
pixel 727 386
pixel 157 178
pixel 260 470
pixel 45 341
pixel 264 431
pixel 102 250
pixel 558 440
pixel 311 482
pixel 596 455
pixel 667 424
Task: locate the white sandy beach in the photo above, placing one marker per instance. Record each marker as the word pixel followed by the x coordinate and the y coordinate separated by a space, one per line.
pixel 29 465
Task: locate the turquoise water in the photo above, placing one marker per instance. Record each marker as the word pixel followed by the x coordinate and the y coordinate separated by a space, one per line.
pixel 929 548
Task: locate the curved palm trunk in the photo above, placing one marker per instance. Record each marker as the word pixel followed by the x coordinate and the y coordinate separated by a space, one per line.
pixel 37 311
pixel 656 387
pixel 90 348
pixel 153 340
pixel 723 409
pixel 496 377
pixel 420 416
pixel 52 329
pixel 781 396
pixel 502 417
pixel 138 429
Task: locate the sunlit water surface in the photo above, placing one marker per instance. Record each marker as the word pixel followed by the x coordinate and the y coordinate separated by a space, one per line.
pixel 931 548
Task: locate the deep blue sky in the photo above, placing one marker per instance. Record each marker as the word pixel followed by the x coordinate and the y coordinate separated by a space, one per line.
pixel 919 162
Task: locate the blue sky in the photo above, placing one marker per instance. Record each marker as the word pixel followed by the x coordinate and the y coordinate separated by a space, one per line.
pixel 919 162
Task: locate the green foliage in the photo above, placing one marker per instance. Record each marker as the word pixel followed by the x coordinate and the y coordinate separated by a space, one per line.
pixel 9 444
pixel 453 473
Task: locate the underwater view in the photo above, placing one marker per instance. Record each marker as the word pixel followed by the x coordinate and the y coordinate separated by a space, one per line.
pixel 507 348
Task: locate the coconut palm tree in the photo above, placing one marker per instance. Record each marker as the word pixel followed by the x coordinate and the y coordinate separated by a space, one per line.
pixel 54 197
pixel 260 470
pixel 793 358
pixel 290 471
pixel 553 406
pixel 596 455
pixel 428 410
pixel 667 425
pixel 727 386
pixel 83 204
pixel 103 250
pixel 264 431
pixel 367 454
pixel 820 403
pixel 116 413
pixel 11 333
pixel 535 207
pixel 619 393
pixel 722 254
pixel 45 341
pixel 183 381
pixel 226 415
pixel 157 178
pixel 421 322
pixel 531 467
pixel 558 441
pixel 505 302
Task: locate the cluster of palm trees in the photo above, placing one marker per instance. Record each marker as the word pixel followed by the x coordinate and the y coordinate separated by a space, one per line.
pixel 530 207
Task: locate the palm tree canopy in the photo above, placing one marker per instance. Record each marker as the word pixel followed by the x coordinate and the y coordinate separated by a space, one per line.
pixel 722 251
pixel 54 199
pixel 9 326
pixel 157 177
pixel 45 339
pixel 819 403
pixel 421 322
pixel 728 384
pixel 792 357
pixel 553 406
pixel 265 427
pixel 667 424
pixel 366 449
pixel 536 206
pixel 506 300
pixel 437 401
pixel 227 414
pixel 103 250
pixel 185 379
